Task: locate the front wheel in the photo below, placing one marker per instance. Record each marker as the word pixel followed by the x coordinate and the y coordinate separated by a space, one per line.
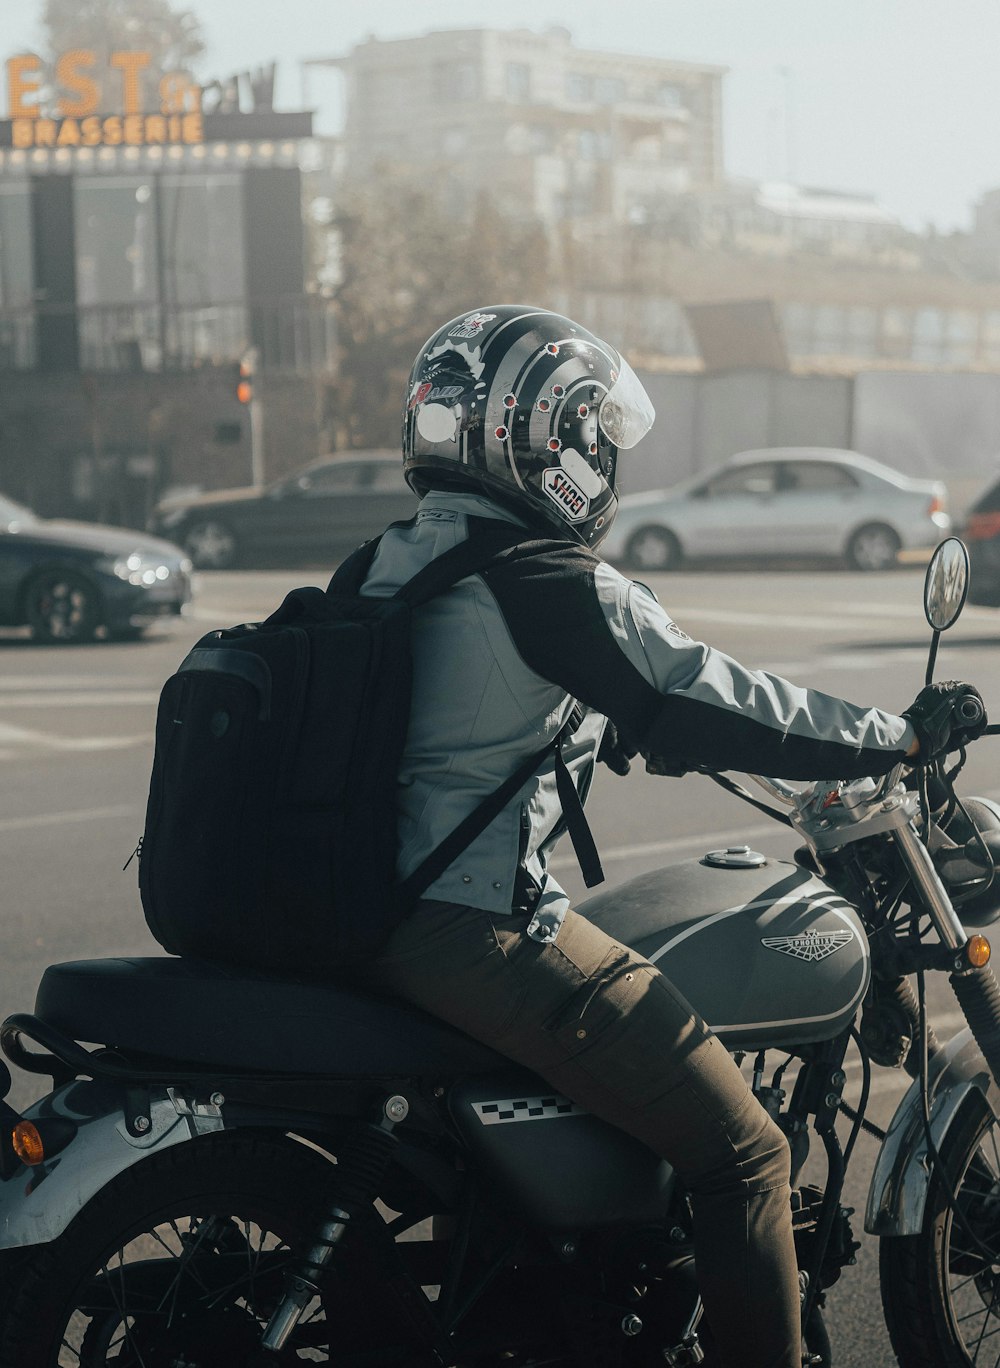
pixel 62 607
pixel 941 1288
pixel 180 1260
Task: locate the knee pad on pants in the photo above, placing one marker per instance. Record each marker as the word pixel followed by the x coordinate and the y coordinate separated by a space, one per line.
pixel 760 1159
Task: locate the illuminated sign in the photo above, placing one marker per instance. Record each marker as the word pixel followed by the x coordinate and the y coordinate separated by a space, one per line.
pixel 77 103
pixel 76 119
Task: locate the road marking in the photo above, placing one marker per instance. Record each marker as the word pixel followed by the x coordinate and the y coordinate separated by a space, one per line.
pixel 112 698
pixel 45 819
pixel 24 737
pixel 19 683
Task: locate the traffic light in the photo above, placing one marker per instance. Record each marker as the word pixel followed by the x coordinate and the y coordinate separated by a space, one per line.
pixel 244 381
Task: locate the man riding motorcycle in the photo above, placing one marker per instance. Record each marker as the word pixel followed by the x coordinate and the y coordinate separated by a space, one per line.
pixel 517 415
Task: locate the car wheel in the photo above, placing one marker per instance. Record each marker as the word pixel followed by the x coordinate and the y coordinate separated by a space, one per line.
pixel 62 606
pixel 210 545
pixel 653 548
pixel 874 547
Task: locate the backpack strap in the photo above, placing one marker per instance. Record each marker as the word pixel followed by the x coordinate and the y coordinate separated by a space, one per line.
pixel 491 536
pixel 472 826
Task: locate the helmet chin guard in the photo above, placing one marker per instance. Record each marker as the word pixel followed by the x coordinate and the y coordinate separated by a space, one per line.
pixel 528 407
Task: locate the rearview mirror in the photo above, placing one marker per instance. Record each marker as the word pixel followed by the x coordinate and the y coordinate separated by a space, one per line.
pixel 946 584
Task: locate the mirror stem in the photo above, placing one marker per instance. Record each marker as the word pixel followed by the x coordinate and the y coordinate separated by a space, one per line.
pixel 932 658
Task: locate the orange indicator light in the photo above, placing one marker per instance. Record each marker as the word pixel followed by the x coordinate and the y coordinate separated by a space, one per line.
pixel 28 1144
pixel 978 951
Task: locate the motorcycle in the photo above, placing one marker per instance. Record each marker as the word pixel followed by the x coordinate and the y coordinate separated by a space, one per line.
pixel 232 1168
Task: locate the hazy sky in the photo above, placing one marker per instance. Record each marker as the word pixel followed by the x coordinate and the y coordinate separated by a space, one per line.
pixel 896 97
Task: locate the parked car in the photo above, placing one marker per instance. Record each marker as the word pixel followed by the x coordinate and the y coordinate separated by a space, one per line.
pixel 65 580
pixel 326 508
pixel 981 534
pixel 782 501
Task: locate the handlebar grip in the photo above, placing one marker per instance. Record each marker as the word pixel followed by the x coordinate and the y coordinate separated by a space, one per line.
pixel 969 711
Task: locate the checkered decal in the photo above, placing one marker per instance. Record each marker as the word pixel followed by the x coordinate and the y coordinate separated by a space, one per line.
pixel 525 1109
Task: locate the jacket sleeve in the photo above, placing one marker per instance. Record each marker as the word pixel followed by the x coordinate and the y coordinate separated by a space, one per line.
pixel 680 703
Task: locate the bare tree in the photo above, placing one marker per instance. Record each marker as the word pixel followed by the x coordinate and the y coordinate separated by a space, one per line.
pixel 172 37
pixel 407 266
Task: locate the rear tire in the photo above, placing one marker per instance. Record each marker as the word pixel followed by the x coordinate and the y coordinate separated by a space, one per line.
pixel 653 548
pixel 941 1296
pixel 873 547
pixel 203 1229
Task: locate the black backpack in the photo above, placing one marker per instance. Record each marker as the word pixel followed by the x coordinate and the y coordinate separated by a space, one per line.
pixel 270 838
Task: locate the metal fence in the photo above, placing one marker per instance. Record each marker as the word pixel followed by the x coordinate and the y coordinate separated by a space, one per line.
pixel 290 334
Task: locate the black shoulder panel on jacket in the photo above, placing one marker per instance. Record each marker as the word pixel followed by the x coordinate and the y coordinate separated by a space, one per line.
pixel 545 590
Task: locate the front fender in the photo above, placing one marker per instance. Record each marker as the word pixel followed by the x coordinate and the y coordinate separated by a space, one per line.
pixel 901 1178
pixel 36 1204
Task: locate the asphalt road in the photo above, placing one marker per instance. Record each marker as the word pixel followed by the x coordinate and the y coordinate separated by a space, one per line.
pixel 76 730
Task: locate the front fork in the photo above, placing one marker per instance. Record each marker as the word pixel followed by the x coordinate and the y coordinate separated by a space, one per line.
pixel 975 987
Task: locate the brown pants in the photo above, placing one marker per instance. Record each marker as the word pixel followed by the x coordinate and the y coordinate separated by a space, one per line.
pixel 605 1028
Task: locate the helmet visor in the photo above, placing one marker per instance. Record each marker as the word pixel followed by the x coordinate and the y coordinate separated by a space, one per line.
pixel 626 414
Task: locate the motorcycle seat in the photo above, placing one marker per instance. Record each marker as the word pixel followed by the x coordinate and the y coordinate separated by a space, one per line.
pixel 200 1013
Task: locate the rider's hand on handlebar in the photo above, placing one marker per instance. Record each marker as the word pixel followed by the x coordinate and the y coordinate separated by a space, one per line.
pixel 945 716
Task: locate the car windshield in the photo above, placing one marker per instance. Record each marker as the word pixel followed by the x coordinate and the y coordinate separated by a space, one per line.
pixel 11 512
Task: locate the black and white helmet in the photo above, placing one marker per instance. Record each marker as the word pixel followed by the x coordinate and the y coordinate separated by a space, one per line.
pixel 529 408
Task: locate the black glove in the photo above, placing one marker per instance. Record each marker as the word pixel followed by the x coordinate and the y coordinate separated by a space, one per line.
pixel 614 752
pixel 946 716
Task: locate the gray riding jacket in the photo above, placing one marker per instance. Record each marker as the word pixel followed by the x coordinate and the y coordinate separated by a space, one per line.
pixel 498 662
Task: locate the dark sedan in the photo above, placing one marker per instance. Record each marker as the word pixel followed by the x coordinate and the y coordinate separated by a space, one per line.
pixel 66 580
pixel 982 536
pixel 316 514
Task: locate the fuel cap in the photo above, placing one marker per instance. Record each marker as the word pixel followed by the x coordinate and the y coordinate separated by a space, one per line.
pixel 735 857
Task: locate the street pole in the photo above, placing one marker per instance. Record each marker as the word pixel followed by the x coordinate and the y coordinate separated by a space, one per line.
pixel 256 443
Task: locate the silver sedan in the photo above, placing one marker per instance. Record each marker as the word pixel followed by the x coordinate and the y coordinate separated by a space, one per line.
pixel 782 501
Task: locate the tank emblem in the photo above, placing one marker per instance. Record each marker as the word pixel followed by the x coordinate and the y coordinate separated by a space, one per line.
pixel 810 945
pixel 526 1109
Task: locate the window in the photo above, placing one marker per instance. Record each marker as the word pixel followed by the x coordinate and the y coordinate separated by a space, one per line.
pixel 115 241
pixel 587 145
pixel 579 87
pixel 752 479
pixel 16 255
pixel 807 476
pixel 609 89
pixel 669 94
pixel 389 476
pixel 466 87
pixel 202 230
pixel 541 138
pixel 343 477
pixel 518 81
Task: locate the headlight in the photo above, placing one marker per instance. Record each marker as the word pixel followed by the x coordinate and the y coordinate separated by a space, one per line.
pixel 138 569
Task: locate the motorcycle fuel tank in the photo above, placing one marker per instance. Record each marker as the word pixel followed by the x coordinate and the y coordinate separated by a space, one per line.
pixel 768 954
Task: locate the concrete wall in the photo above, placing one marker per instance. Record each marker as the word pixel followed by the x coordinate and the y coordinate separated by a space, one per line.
pixel 943 425
pixel 702 420
pixel 104 446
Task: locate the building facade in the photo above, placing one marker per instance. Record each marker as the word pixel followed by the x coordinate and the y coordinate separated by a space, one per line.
pixel 551 131
pixel 138 248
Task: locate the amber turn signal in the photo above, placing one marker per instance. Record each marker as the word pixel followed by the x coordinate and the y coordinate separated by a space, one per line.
pixel 977 951
pixel 28 1145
